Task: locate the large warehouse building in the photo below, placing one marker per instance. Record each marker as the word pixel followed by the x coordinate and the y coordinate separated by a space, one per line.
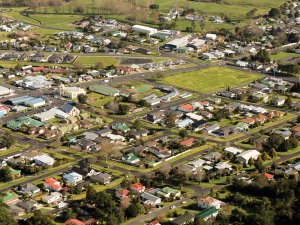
pixel 178 42
pixel 144 29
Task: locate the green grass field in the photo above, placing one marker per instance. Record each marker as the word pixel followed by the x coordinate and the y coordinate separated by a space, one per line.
pixel 281 55
pixel 209 80
pixel 92 60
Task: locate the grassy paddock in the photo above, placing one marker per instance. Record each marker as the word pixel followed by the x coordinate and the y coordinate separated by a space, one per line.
pixel 210 80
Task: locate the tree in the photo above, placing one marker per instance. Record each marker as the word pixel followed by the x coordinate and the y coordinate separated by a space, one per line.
pixel 131 211
pixel 100 65
pixel 273 153
pixel 183 133
pixel 40 218
pixel 137 124
pixel 7 140
pixel 124 109
pixel 251 13
pixel 259 164
pixel 106 149
pixel 113 106
pixel 6 217
pixel 165 169
pixel 170 120
pixel 274 12
pixel 69 214
pixel 5 174
pixel 288 102
pixel 91 194
pixel 262 56
pixel 82 98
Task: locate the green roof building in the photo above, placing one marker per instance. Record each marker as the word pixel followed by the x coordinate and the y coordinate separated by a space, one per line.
pixel 21 121
pixel 131 158
pixel 9 197
pixel 208 213
pixel 121 127
pixel 104 90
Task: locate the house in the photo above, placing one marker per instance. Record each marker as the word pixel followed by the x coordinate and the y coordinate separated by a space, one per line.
pixel 3 163
pixel 16 210
pixel 208 213
pixel 208 202
pixel 151 199
pixel 8 198
pixel 4 110
pixel 104 132
pixel 260 118
pixel 232 150
pixel 70 109
pixel 212 37
pixel 168 192
pixel 212 128
pixel 241 126
pixel 44 159
pixel 184 123
pixel 278 101
pixel 155 117
pixel 187 142
pixel 84 172
pixel 131 158
pixel 186 218
pixel 30 189
pixel 70 92
pixel 72 178
pixel 268 176
pixel 28 206
pixel 103 178
pixel 74 222
pixel 248 121
pixel 137 188
pixel 122 127
pixel 245 156
pixel 52 198
pixel 243 64
pixel 52 184
pixel 122 194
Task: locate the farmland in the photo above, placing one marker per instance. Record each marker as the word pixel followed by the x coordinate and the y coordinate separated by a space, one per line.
pixel 209 80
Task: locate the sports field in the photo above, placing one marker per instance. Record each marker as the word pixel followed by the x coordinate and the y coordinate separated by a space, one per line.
pixel 210 80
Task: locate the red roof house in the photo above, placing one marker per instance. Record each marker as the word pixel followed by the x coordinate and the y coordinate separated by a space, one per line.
pixel 73 222
pixel 187 142
pixel 52 184
pixel 38 69
pixel 268 176
pixel 122 194
pixel 137 187
pixel 186 107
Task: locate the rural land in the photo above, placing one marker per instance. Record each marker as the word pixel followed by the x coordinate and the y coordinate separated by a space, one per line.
pixel 149 112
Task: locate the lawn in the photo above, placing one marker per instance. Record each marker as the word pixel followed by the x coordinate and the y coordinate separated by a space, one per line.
pixel 210 80
pixel 56 21
pixel 97 100
pixel 281 55
pixel 93 60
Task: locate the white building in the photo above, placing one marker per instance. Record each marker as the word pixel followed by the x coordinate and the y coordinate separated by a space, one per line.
pixel 72 178
pixel 5 91
pixel 44 159
pixel 245 156
pixel 71 92
pixel 53 197
pixel 212 37
pixel 144 29
pixel 232 150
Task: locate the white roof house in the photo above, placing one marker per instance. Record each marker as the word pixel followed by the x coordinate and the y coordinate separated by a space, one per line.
pixel 245 156
pixel 232 150
pixel 71 92
pixel 50 114
pixel 144 29
pixel 53 197
pixel 115 137
pixel 194 116
pixel 211 36
pixel 5 91
pixel 197 163
pixel 72 178
pixel 44 159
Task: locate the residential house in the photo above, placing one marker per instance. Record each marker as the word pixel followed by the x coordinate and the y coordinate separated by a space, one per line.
pixel 208 213
pixel 70 109
pixel 207 202
pixel 71 92
pixel 103 178
pixel 8 198
pixel 131 158
pixel 52 184
pixel 72 178
pixel 30 189
pixel 137 187
pixel 187 142
pixel 186 218
pixel 53 197
pixel 122 194
pixel 278 101
pixel 155 117
pixel 245 156
pixel 168 192
pixel 151 199
pixel 232 150
pixel 212 128
pixel 28 206
pixel 44 159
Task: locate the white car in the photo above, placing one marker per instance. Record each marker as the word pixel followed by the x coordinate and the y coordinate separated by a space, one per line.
pixel 173 207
